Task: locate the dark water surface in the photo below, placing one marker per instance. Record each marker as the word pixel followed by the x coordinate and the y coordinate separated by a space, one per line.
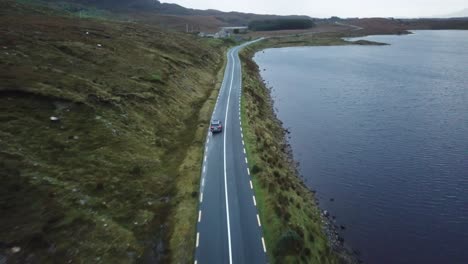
pixel 384 131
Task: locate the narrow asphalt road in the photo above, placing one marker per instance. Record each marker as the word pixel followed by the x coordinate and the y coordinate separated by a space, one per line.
pixel 229 228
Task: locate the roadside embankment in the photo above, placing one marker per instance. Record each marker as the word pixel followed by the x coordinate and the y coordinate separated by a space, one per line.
pixel 295 229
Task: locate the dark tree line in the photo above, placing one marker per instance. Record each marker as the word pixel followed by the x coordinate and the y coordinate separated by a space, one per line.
pixel 280 24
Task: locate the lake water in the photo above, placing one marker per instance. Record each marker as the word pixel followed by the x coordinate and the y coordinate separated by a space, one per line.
pixel 384 131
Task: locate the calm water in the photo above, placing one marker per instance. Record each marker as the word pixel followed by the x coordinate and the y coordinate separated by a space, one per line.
pixel 383 131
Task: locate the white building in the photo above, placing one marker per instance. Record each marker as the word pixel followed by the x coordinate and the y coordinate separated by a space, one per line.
pixel 225 32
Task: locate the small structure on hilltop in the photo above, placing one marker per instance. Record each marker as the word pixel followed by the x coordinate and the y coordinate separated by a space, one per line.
pixel 206 35
pixel 225 32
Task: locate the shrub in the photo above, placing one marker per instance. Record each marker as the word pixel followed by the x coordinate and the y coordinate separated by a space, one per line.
pixel 136 171
pixel 256 169
pixel 290 243
pixel 276 173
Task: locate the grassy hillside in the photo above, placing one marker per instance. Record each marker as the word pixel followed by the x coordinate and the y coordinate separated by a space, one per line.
pixel 102 125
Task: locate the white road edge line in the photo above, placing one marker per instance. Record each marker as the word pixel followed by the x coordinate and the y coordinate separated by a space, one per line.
pixel 198 238
pixel 199 215
pixel 225 172
pixel 204 168
pixel 246 161
pixel 263 243
pixel 195 262
pixel 255 203
pixel 243 143
pixel 251 186
pixel 201 197
pixel 244 150
pixel 258 220
pixel 248 171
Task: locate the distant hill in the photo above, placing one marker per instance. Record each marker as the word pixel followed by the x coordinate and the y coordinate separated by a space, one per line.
pixel 142 5
pixel 437 23
pixel 372 26
pixel 169 16
pixel 175 17
pixel 155 6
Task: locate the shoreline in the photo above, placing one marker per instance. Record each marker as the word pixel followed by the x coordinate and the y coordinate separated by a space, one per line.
pixel 344 252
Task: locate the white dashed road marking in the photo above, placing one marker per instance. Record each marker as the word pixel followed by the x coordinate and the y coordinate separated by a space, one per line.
pixel 258 220
pixel 246 161
pixel 198 238
pixel 199 215
pixel 263 243
pixel 248 171
pixel 244 150
pixel 201 197
pixel 251 186
pixel 255 202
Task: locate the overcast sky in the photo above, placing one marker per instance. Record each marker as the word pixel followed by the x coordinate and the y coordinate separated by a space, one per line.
pixel 327 8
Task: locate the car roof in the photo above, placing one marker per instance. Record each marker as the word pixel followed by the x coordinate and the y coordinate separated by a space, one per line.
pixel 215 121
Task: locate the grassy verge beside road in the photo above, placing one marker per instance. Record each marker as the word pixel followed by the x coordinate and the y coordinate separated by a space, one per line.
pixel 292 222
pixel 184 215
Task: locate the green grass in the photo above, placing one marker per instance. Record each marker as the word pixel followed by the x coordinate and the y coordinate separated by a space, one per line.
pixel 184 217
pixel 73 9
pixel 117 175
pixel 291 220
